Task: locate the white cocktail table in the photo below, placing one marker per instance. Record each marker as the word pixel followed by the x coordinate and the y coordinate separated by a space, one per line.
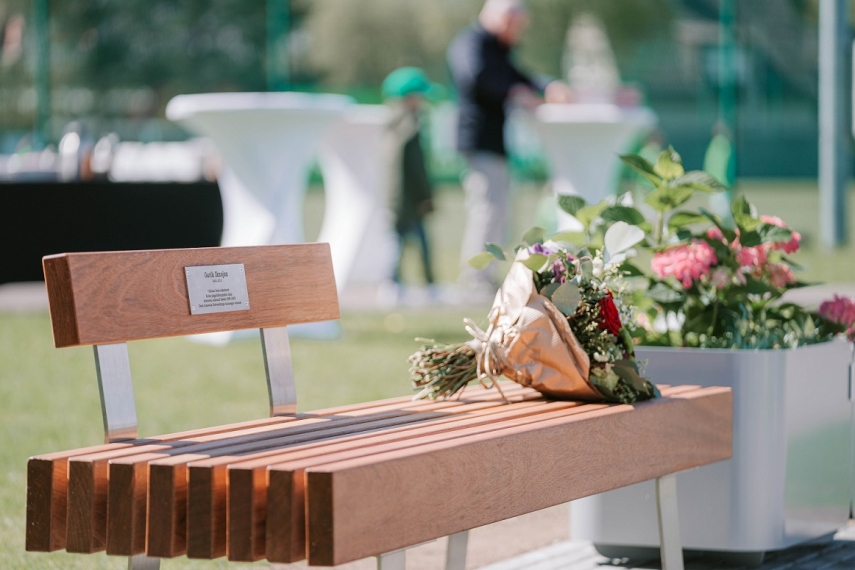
pixel 268 142
pixel 358 221
pixel 582 143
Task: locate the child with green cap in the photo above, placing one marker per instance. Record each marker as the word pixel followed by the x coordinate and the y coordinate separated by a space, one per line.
pixel 411 191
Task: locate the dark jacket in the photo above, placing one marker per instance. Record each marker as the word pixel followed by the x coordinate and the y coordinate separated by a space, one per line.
pixel 411 191
pixel 484 75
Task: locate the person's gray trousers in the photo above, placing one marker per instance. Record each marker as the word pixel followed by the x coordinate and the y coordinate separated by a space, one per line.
pixel 487 189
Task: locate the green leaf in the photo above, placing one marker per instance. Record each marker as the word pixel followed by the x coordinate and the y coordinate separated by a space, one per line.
pixel 643 167
pixel 549 290
pixel 743 216
pixel 621 236
pixel 757 287
pixel 586 268
pixel 567 298
pixel 626 337
pixel 496 251
pixel 629 270
pixel 589 213
pixel 772 233
pixel 481 260
pixel 810 327
pixel 534 235
pixel 699 180
pixel 577 238
pixel 661 293
pixel 750 239
pixel 669 165
pixel 571 204
pixel 665 198
pixel 680 219
pixel 728 233
pixel 626 214
pixel 627 370
pixel 535 262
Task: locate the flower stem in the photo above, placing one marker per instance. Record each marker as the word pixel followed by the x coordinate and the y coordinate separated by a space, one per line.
pixel 714 317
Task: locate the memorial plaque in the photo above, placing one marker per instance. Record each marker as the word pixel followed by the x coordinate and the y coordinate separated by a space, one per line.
pixel 216 288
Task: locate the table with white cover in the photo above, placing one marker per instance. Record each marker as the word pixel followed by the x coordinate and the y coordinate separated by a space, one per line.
pixel 268 142
pixel 358 221
pixel 582 143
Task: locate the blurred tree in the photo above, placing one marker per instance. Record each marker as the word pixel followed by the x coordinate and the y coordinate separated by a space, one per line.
pixel 193 45
pixel 360 41
pixel 627 22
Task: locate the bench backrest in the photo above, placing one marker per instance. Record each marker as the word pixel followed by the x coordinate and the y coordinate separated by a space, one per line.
pixel 113 297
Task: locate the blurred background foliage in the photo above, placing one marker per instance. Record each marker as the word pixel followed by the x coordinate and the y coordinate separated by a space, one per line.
pixel 114 64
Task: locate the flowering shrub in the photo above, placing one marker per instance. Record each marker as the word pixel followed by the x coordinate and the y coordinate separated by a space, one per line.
pixel 709 283
pixel 840 311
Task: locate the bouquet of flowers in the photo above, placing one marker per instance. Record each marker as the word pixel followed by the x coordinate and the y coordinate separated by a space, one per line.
pixel 711 282
pixel 559 324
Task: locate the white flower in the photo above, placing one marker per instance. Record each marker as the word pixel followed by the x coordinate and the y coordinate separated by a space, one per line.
pixel 597 262
pixel 600 357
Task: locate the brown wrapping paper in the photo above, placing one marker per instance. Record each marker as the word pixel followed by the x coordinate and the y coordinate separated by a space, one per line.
pixel 530 342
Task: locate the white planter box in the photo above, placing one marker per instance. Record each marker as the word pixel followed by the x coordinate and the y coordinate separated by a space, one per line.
pixel 789 478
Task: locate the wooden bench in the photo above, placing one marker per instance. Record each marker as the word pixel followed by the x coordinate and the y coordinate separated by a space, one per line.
pixel 334 485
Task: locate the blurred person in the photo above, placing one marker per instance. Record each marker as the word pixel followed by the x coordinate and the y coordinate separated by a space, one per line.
pixel 486 79
pixel 410 192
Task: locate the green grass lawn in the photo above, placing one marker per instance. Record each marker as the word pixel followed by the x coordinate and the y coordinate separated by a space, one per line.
pixel 49 397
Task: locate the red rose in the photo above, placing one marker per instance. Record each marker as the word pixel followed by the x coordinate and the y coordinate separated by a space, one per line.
pixel 609 317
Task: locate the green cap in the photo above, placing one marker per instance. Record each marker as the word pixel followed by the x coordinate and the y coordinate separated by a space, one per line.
pixel 407 81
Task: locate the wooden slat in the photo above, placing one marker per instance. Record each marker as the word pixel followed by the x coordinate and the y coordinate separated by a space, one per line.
pixel 246 503
pixel 47 476
pixel 282 537
pixel 206 506
pixel 381 503
pixel 108 297
pixel 266 516
pixel 167 516
pixel 125 534
pixel 88 477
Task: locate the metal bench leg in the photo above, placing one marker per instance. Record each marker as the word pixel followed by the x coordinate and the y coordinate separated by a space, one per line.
pixel 143 562
pixel 455 554
pixel 669 523
pixel 392 560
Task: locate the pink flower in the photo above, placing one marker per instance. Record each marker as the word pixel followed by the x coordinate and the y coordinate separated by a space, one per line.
pixel 773 220
pixel 840 310
pixel 720 278
pixel 790 246
pixel 752 257
pixel 686 263
pixel 781 275
pixel 715 233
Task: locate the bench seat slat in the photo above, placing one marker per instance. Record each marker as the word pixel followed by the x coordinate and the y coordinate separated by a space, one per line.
pixel 168 477
pixel 48 478
pixel 126 536
pixel 247 480
pixel 47 483
pixel 381 503
pixel 206 511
